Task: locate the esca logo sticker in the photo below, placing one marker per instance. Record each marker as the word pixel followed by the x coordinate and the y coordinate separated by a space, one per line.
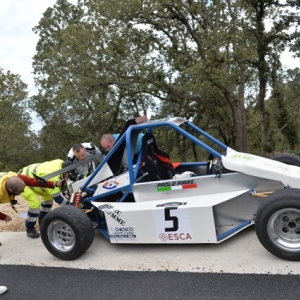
pixel 109 185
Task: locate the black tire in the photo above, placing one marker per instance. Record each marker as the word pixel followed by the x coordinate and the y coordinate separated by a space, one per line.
pixel 67 232
pixel 287 158
pixel 277 224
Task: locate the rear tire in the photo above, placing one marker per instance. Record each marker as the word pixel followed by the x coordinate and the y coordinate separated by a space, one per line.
pixel 277 224
pixel 287 158
pixel 67 232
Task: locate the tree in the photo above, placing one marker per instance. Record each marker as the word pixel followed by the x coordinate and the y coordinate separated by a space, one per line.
pixel 82 68
pixel 16 139
pixel 270 43
pixel 285 107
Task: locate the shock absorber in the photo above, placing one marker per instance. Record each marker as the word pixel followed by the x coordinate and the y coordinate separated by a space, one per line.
pixel 77 198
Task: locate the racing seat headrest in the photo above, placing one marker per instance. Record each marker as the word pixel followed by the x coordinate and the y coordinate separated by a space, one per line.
pixel 157 162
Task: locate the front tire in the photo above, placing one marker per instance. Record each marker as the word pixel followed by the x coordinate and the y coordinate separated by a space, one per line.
pixel 67 232
pixel 277 224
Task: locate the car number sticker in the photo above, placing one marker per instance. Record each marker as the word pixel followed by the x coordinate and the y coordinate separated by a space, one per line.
pixel 172 224
pixel 121 233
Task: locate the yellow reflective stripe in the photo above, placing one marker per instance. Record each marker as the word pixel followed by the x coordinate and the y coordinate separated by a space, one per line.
pixel 28 173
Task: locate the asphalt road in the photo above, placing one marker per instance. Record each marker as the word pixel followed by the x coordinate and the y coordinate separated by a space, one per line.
pixel 239 268
pixel 30 283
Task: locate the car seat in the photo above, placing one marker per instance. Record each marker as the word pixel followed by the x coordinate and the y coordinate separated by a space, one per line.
pixel 156 162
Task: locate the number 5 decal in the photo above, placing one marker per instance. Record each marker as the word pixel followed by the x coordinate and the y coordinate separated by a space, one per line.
pixel 168 217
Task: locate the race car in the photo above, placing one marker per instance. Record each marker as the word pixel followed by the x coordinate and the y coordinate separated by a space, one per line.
pixel 154 200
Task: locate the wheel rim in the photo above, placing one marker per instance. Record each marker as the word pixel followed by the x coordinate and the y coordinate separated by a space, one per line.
pixel 284 229
pixel 61 236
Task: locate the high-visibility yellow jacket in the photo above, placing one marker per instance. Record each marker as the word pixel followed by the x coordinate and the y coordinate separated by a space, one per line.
pixel 4 195
pixel 42 169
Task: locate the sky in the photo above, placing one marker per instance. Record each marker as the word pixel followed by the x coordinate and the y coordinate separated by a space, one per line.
pixel 18 42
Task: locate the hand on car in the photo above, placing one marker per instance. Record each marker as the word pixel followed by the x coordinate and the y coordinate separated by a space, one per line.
pixel 60 182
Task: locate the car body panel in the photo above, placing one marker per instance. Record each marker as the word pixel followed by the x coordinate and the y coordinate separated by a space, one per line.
pixel 262 167
pixel 195 219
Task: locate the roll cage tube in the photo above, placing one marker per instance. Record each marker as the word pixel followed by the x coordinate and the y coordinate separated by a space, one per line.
pixel 208 136
pixel 149 127
pixel 180 130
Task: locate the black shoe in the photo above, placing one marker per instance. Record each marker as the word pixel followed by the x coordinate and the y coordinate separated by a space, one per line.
pixel 32 233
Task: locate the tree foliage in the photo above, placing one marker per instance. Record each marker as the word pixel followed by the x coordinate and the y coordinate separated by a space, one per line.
pixel 17 141
pixel 83 67
pixel 286 108
pixel 101 62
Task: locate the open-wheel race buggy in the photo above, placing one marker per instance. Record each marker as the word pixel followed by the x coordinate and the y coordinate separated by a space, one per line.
pixel 153 200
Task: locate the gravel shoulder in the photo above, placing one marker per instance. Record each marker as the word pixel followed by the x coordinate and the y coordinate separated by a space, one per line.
pixel 17 224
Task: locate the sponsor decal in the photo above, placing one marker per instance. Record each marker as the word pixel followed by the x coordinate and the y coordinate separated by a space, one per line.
pixel 116 215
pixel 149 141
pixel 242 156
pixel 183 236
pixel 176 185
pixel 113 213
pixel 111 184
pixel 171 204
pixel 122 233
pixel 106 206
pixel 180 120
pixel 262 161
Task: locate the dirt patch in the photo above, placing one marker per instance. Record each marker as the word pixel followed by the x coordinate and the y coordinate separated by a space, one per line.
pixel 17 223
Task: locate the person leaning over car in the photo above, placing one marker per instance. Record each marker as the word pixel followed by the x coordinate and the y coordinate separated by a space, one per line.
pixel 38 209
pixel 12 184
pixel 80 152
pixel 107 141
